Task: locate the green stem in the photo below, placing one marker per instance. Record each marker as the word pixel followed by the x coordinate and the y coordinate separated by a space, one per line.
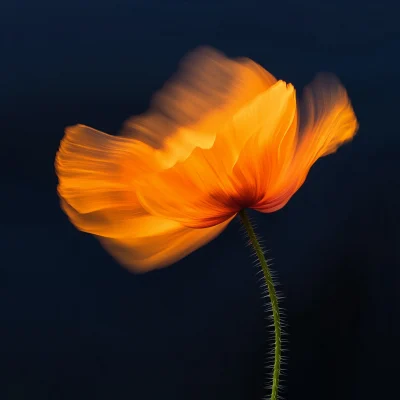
pixel 274 301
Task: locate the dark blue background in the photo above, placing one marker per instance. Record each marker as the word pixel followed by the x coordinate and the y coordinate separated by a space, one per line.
pixel 75 325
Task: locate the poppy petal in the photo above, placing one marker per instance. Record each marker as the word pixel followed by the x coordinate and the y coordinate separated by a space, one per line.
pixel 193 106
pixel 158 250
pixel 197 193
pixel 208 187
pixel 142 242
pixel 97 190
pixel 327 120
pixel 272 120
pixel 97 170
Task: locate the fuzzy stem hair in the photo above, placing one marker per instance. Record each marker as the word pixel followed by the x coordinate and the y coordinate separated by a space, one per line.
pixel 274 302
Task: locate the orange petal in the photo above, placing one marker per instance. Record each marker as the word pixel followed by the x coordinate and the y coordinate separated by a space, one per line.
pixel 206 189
pixel 158 250
pixel 98 171
pixel 97 175
pixel 327 121
pixel 197 193
pixel 194 105
pixel 185 125
pixel 97 179
pixel 142 242
pixel 271 119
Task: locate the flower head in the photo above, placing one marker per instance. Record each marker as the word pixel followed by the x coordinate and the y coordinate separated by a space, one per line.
pixel 220 136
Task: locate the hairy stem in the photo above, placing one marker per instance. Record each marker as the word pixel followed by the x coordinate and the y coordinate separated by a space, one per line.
pixel 274 301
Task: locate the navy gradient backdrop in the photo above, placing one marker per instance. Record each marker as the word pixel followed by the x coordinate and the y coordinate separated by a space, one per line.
pixel 75 325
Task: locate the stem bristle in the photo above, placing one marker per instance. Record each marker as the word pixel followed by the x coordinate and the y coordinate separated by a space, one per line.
pixel 275 312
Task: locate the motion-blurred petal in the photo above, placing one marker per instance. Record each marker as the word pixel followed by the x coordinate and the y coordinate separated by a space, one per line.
pixel 212 185
pixel 327 120
pixel 97 176
pixel 160 249
pixel 193 106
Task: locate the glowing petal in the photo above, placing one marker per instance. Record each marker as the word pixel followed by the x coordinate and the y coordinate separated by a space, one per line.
pixel 143 242
pixel 194 105
pixel 272 120
pixel 197 193
pixel 97 175
pixel 97 170
pixel 327 121
pixel 208 188
pixel 185 132
pixel 141 254
pixel 97 185
pixel 220 136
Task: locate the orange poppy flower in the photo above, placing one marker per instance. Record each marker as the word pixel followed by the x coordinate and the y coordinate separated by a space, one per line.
pixel 221 136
